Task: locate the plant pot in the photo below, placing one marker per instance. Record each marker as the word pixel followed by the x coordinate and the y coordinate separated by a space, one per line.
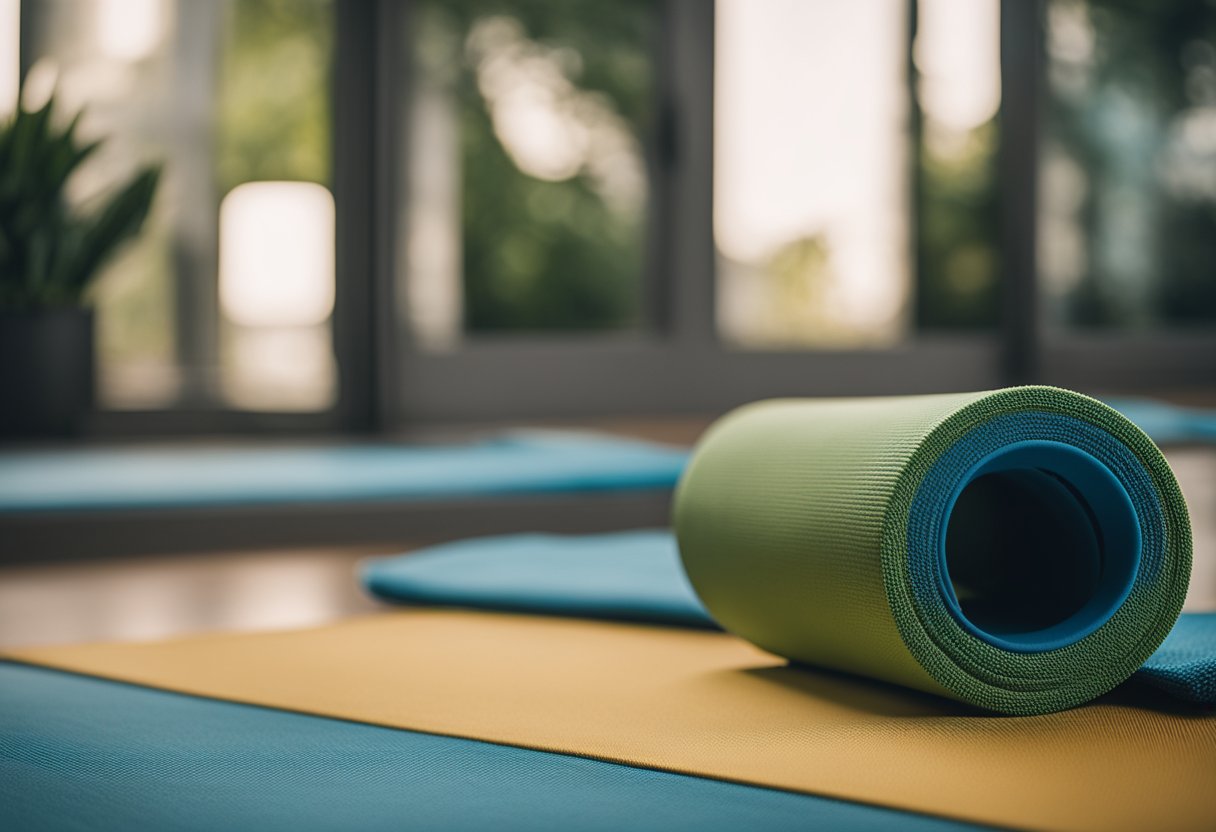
pixel 46 371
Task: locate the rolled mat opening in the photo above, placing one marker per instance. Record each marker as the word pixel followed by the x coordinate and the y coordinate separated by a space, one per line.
pixel 1042 545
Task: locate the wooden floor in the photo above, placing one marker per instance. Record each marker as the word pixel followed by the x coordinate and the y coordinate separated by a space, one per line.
pixel 156 597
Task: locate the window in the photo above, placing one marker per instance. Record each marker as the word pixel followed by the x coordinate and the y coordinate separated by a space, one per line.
pixel 849 213
pixel 1127 211
pixel 225 301
pixel 956 75
pixel 527 184
pixel 811 200
pixel 1122 225
pixel 415 210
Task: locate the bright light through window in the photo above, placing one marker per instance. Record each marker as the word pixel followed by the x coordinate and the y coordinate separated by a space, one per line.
pixel 957 53
pixel 811 194
pixel 10 65
pixel 129 30
pixel 277 294
pixel 277 254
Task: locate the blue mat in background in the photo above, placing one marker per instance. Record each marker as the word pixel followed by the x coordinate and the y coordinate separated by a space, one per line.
pixel 83 753
pixel 637 576
pixel 537 462
pixel 525 463
pixel 1169 424
pixel 628 576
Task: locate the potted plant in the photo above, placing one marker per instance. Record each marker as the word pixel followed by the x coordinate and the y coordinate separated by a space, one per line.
pixel 50 253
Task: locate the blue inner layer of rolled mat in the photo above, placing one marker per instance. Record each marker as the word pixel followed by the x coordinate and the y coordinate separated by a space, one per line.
pixel 637 576
pixel 1093 551
pixel 526 463
pixel 83 753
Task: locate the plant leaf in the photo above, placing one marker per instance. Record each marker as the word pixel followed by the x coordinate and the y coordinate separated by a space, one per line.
pixel 49 252
pixel 119 219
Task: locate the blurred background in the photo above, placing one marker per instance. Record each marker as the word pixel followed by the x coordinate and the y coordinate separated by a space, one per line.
pixel 704 202
pixel 425 217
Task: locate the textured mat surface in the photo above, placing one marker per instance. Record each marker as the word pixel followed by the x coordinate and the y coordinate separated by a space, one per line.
pixel 527 463
pixel 1185 665
pixel 700 702
pixel 1024 550
pixel 82 753
pixel 636 576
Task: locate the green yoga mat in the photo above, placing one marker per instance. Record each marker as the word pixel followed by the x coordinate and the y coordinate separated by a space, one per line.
pixel 1022 550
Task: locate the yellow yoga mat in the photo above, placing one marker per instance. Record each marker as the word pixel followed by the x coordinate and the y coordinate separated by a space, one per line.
pixel 702 703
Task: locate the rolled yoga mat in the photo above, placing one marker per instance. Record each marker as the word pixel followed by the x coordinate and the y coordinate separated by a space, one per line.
pixel 1023 550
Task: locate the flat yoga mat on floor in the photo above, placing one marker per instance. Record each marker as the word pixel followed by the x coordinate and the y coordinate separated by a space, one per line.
pixel 526 463
pixel 83 753
pixel 1023 551
pixel 698 702
pixel 637 576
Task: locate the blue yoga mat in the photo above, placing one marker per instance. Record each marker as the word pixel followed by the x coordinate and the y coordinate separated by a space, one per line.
pixel 637 576
pixel 525 463
pixel 536 462
pixel 83 753
pixel 1169 424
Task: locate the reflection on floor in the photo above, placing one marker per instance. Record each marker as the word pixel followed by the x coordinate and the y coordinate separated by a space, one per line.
pixel 153 598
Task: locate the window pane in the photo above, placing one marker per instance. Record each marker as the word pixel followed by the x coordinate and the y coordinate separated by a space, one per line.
pixel 1127 214
pixel 956 58
pixel 810 175
pixel 527 181
pixel 855 192
pixel 10 55
pixel 233 97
